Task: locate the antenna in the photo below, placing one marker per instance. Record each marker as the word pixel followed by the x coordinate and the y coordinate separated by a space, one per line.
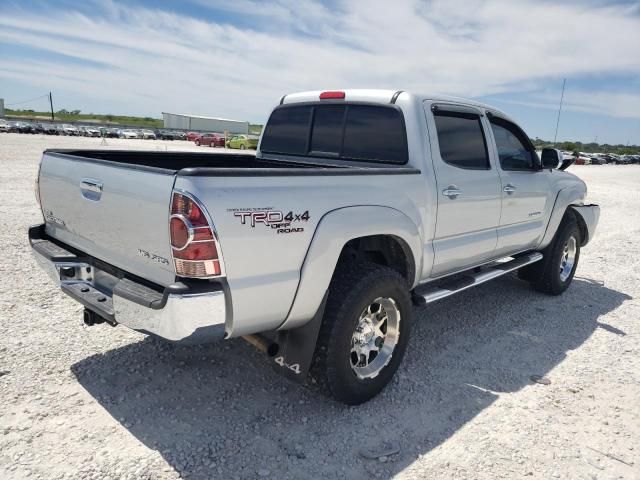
pixel 51 103
pixel 555 137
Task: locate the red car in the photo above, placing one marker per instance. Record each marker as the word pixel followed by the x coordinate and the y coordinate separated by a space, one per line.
pixel 191 136
pixel 211 140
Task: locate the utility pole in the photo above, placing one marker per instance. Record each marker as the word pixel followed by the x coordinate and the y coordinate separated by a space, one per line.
pixel 555 137
pixel 51 103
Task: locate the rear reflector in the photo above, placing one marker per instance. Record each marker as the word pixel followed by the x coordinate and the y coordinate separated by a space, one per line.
pixel 193 243
pixel 331 95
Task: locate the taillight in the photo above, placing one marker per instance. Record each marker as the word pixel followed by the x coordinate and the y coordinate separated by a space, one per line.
pixel 195 250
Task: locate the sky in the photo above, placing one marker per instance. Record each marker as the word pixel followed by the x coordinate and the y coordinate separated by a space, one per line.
pixel 236 58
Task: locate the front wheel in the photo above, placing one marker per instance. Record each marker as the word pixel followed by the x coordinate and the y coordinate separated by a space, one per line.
pixel 554 273
pixel 364 333
pixel 242 147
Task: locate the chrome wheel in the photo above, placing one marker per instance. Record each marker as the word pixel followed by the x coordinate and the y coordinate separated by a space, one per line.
pixel 375 337
pixel 568 258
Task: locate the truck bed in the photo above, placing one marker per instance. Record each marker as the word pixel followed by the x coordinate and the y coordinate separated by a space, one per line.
pixel 224 164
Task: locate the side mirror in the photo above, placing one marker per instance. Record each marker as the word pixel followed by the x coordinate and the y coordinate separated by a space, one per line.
pixel 551 158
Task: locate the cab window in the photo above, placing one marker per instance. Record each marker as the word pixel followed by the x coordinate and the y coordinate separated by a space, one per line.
pixel 514 149
pixel 461 139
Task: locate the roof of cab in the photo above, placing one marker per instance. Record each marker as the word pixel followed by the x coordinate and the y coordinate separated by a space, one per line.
pixel 383 96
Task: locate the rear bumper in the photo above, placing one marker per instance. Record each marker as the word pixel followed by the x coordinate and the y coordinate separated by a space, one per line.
pixel 181 312
pixel 590 214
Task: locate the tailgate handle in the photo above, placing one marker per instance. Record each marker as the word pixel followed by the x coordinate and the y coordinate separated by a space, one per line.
pixel 91 189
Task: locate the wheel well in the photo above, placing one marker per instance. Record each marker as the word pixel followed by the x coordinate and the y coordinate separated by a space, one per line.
pixel 582 226
pixel 386 250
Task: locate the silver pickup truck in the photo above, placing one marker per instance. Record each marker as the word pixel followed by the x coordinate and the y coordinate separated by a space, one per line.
pixel 357 204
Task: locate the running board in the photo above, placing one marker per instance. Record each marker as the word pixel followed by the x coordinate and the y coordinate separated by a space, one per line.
pixel 430 293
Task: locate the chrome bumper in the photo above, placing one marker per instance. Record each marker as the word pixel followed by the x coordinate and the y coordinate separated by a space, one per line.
pixel 590 214
pixel 189 316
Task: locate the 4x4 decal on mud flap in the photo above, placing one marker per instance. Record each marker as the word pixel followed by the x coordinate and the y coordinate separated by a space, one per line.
pixel 275 219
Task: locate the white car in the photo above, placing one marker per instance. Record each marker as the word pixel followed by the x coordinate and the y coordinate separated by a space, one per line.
pixel 67 129
pixel 128 133
pixel 4 126
pixel 357 204
pixel 148 134
pixel 91 131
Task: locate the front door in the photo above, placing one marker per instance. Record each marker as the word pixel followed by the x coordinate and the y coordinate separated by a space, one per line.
pixel 469 190
pixel 526 196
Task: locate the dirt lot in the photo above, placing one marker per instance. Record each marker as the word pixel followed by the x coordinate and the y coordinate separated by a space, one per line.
pixel 104 402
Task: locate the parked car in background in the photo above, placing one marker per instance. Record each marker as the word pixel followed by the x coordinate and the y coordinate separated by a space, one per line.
pixel 597 160
pixel 25 127
pixel 162 134
pixel 4 126
pixel 191 136
pixel 90 131
pixel 211 140
pixel 148 134
pixel 70 130
pixel 243 142
pixel 180 135
pixel 38 128
pixel 581 159
pixel 51 129
pixel 128 133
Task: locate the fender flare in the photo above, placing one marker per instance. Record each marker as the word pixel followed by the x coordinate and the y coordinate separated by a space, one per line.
pixel 564 200
pixel 333 232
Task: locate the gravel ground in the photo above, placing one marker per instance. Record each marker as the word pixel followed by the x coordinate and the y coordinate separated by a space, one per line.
pixel 102 402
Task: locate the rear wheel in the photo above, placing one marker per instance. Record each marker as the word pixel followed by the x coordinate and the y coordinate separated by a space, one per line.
pixel 242 147
pixel 198 143
pixel 554 273
pixel 364 332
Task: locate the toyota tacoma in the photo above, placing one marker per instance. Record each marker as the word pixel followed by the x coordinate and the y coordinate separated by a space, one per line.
pixel 357 205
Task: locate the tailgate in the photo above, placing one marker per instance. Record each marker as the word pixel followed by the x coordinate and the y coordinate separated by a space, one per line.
pixel 114 212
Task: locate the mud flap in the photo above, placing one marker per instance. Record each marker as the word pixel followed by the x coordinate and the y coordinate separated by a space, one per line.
pixel 297 346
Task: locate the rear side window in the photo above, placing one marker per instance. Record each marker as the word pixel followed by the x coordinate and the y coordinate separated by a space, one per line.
pixel 347 131
pixel 461 139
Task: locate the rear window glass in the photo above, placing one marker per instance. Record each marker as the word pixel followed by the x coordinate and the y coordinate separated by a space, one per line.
pixel 347 131
pixel 374 134
pixel 287 131
pixel 326 136
pixel 461 139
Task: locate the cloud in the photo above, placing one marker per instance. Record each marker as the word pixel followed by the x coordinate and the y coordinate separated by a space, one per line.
pixel 147 60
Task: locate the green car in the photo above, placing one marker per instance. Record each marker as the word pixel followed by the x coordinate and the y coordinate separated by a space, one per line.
pixel 243 142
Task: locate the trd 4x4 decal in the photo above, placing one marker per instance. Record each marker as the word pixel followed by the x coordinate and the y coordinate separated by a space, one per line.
pixel 275 219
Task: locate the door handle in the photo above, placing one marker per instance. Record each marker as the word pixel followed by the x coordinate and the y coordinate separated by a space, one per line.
pixel 451 191
pixel 91 185
pixel 91 189
pixel 509 189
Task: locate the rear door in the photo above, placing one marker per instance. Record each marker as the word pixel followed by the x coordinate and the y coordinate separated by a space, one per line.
pixel 468 187
pixel 526 196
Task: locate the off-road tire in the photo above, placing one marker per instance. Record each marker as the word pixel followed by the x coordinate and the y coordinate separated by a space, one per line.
pixel 544 275
pixel 355 286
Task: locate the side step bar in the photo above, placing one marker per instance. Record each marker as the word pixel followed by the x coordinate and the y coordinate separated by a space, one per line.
pixel 430 293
